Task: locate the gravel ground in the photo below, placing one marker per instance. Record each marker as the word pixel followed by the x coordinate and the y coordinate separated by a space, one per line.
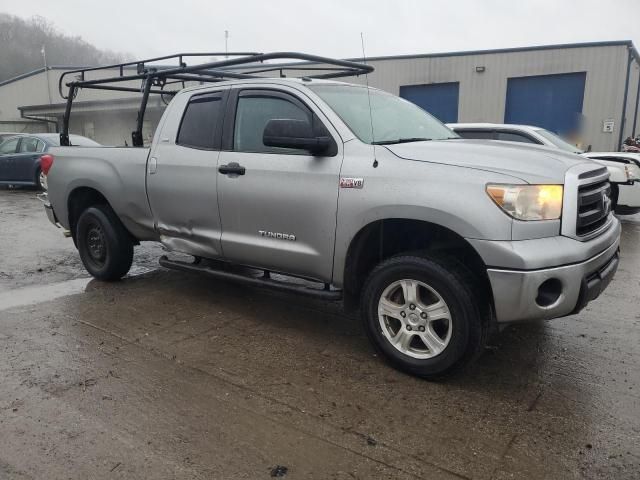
pixel 170 375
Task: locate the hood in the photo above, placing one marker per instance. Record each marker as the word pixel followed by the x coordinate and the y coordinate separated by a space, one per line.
pixel 529 163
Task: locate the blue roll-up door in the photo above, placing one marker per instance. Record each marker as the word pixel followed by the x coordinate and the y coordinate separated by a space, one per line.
pixel 439 99
pixel 553 102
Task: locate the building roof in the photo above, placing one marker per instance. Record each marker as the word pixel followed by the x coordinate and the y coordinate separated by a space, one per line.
pixel 612 43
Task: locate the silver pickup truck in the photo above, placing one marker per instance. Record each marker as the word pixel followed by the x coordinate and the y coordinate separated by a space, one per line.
pixel 365 196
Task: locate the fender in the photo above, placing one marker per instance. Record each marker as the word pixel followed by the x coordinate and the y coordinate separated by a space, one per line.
pixel 347 233
pixel 115 173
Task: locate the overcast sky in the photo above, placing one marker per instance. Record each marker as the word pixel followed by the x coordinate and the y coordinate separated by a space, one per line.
pixel 332 27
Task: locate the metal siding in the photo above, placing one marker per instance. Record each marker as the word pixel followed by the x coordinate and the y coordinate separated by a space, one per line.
pixel 29 89
pixel 439 99
pixel 553 102
pixel 632 98
pixel 482 96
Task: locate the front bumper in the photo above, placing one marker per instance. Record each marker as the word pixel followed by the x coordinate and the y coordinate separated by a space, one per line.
pixel 517 293
pixel 628 199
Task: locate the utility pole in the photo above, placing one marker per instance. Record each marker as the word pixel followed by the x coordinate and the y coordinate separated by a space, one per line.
pixel 46 72
pixel 226 43
pixel 46 79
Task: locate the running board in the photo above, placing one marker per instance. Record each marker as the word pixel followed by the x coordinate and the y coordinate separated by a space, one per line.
pixel 265 281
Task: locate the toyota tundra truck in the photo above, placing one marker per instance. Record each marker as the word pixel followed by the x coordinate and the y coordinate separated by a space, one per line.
pixel 349 194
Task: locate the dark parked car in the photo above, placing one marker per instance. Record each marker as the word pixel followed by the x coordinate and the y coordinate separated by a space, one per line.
pixel 20 157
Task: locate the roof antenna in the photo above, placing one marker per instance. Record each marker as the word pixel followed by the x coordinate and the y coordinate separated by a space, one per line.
pixel 366 76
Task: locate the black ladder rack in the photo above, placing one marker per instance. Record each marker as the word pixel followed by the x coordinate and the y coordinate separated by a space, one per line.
pixel 154 78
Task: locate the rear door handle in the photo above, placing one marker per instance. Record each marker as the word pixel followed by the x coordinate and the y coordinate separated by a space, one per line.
pixel 232 168
pixel 153 165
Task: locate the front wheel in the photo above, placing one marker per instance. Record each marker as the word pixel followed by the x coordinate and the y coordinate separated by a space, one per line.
pixel 422 314
pixel 105 246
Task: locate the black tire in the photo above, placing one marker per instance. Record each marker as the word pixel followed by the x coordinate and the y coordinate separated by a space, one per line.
pixel 457 287
pixel 105 246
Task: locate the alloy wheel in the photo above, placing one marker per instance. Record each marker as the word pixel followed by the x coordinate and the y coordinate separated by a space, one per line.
pixel 415 319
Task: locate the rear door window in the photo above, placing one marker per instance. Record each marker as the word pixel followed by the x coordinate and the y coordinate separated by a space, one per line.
pixel 514 137
pixel 9 147
pixel 476 134
pixel 29 145
pixel 200 121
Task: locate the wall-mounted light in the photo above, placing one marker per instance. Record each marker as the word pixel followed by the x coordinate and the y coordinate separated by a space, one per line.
pixel 480 69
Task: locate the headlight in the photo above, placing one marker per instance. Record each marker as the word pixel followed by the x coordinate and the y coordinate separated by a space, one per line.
pixel 631 173
pixel 528 202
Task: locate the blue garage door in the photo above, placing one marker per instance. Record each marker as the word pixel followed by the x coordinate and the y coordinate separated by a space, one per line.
pixel 439 99
pixel 553 102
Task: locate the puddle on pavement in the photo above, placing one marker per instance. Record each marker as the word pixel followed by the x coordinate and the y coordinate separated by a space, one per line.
pixel 43 293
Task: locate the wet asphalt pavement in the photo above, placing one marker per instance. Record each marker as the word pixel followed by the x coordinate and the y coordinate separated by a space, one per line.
pixel 172 375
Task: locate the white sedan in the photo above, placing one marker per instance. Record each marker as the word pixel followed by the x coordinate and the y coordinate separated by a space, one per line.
pixel 628 194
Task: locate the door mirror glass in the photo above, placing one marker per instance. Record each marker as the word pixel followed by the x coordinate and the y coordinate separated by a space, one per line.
pixel 292 133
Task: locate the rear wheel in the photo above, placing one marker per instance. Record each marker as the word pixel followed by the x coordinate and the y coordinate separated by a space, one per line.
pixel 105 246
pixel 41 180
pixel 422 314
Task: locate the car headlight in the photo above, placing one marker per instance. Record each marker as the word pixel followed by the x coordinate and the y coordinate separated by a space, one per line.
pixel 528 202
pixel 631 173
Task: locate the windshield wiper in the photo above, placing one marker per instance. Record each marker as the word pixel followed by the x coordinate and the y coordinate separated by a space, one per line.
pixel 401 140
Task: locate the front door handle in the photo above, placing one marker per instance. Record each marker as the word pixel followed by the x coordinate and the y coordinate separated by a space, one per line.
pixel 232 168
pixel 153 165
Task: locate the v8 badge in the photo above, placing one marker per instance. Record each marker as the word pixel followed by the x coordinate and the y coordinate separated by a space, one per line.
pixel 350 182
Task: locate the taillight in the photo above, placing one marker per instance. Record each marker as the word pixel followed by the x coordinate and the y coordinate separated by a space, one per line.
pixel 46 162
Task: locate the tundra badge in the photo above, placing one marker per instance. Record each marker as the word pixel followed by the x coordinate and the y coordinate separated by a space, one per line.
pixel 278 235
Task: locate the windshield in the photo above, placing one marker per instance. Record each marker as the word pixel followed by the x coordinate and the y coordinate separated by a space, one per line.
pixel 557 141
pixel 394 120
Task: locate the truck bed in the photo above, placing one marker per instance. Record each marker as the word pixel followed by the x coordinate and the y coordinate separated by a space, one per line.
pixel 117 173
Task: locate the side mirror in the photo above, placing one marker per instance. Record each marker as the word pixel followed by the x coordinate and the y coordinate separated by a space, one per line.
pixel 290 133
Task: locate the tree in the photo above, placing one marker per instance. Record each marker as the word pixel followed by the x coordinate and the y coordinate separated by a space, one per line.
pixel 22 42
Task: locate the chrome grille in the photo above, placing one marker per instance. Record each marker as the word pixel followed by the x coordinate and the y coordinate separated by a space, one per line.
pixel 594 205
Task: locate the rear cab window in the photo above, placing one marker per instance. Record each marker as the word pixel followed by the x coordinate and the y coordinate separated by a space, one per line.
pixel 510 136
pixel 476 134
